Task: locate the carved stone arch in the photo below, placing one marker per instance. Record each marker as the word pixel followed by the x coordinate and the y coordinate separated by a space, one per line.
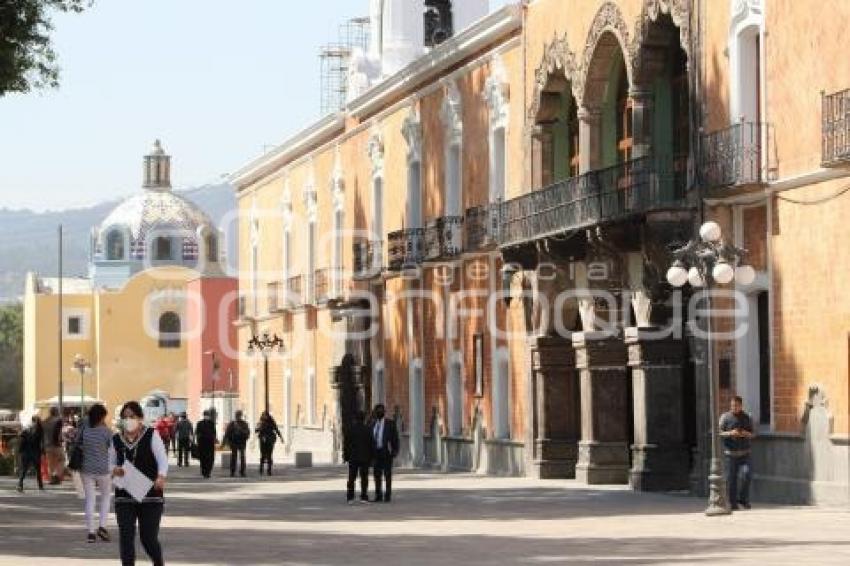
pixel 679 12
pixel 557 57
pixel 608 32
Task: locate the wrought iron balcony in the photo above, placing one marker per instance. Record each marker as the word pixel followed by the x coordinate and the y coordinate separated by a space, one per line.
pixel 605 195
pixel 295 292
pixel 443 238
pixel 835 128
pixel 368 258
pixel 735 156
pixel 481 227
pixel 404 248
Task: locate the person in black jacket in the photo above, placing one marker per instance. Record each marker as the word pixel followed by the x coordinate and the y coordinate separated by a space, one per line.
pixel 385 445
pixel 236 436
pixel 206 438
pixel 31 448
pixel 268 433
pixel 357 451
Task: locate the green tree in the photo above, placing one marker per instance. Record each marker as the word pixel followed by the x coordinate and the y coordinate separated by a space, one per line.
pixel 11 356
pixel 27 59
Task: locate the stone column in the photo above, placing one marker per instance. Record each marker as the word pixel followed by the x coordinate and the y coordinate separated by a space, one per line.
pixel 659 453
pixel 604 448
pixel 555 414
pixel 590 138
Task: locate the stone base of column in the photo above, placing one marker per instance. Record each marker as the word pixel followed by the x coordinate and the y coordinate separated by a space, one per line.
pixel 603 462
pixel 557 460
pixel 656 468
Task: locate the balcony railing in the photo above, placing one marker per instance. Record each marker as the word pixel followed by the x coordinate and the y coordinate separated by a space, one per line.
pixel 632 187
pixel 295 292
pixel 443 238
pixel 368 258
pixel 734 156
pixel 835 128
pixel 404 248
pixel 481 227
pixel 321 286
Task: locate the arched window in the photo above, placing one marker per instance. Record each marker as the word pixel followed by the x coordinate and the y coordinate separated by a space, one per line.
pixel 212 248
pixel 169 330
pixel 115 245
pixel 162 248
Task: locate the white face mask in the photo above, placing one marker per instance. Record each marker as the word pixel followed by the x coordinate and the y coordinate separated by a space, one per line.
pixel 131 424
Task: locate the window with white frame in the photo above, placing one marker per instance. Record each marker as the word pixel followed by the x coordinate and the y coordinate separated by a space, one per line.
pixel 453 174
pixel 455 395
pixel 311 396
pixel 745 60
pixel 501 405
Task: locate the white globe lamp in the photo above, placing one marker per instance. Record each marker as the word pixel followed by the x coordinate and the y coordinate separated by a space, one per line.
pixel 723 272
pixel 745 275
pixel 695 278
pixel 710 232
pixel 677 275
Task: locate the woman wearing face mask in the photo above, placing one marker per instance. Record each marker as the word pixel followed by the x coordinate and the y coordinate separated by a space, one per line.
pixel 142 447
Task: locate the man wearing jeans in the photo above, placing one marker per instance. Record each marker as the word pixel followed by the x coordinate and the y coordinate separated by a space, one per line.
pixel 736 430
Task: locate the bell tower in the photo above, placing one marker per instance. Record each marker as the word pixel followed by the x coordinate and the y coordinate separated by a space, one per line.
pixel 157 169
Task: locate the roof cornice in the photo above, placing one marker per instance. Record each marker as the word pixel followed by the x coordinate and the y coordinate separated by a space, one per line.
pixel 302 141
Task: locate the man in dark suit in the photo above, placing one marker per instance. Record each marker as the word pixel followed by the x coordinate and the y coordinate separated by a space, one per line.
pixel 357 451
pixel 206 438
pixel 385 447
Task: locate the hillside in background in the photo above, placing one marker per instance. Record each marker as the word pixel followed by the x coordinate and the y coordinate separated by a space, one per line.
pixel 28 240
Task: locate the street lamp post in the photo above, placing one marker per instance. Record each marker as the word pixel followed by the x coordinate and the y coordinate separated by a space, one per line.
pixel 265 345
pixel 703 262
pixel 82 365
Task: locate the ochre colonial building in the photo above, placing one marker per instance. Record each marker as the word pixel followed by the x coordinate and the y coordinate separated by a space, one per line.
pixel 155 306
pixel 502 188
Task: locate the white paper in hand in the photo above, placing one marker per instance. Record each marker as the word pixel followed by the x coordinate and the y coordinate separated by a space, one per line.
pixel 134 482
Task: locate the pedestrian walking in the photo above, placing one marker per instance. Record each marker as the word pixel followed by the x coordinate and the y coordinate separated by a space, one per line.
pixel 31 448
pixel 268 433
pixel 185 438
pixel 143 448
pixel 205 437
pixel 357 451
pixel 736 430
pixel 163 429
pixel 172 432
pixel 52 430
pixel 236 437
pixel 94 438
pixel 385 446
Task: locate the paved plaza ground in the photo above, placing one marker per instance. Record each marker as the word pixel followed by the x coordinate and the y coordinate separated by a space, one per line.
pixel 300 517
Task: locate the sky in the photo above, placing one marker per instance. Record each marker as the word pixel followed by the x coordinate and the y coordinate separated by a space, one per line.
pixel 219 82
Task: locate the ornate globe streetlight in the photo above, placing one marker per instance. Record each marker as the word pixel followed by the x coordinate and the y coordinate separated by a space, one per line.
pixel 704 262
pixel 265 345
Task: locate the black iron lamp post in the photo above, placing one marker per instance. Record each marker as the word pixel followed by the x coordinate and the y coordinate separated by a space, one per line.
pixel 702 263
pixel 265 345
pixel 83 366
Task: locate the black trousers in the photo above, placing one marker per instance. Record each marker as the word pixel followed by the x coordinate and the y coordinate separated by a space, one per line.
pixel 148 516
pixel 266 451
pixel 241 453
pixel 30 461
pixel 363 471
pixel 206 455
pixel 383 471
pixel 184 450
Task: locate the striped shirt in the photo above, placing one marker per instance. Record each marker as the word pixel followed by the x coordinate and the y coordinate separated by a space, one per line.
pixel 95 443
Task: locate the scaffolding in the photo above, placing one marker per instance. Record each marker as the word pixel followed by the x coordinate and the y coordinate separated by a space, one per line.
pixel 335 58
